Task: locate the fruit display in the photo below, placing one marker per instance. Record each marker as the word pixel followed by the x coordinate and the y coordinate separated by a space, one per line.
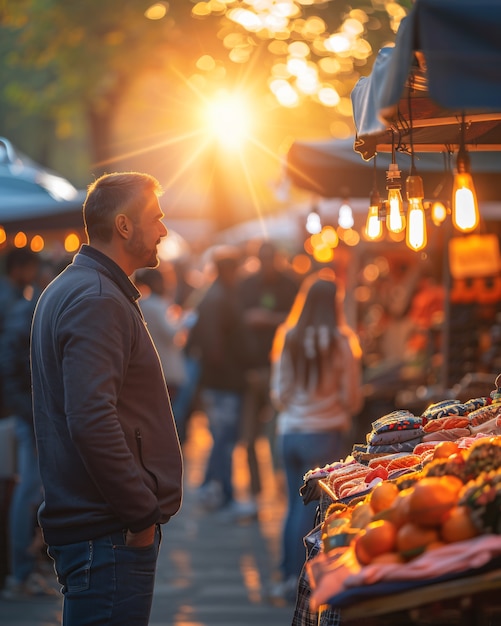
pixel 392 511
pixel 481 498
pixel 394 506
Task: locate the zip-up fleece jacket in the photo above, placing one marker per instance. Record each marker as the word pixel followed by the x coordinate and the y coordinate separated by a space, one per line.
pixel 108 449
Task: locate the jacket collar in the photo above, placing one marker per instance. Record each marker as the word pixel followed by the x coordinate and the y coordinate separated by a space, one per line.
pixel 91 257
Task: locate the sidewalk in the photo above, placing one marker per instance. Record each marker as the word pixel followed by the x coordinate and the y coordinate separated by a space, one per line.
pixel 211 571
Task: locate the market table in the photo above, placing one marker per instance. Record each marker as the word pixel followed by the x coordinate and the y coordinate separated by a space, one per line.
pixel 468 601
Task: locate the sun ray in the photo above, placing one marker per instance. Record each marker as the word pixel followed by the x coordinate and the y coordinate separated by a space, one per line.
pixel 149 148
pixel 187 164
pixel 254 198
pixel 276 157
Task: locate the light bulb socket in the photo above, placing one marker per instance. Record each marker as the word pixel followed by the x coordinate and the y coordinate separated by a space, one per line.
pixel 463 161
pixel 393 179
pixel 382 210
pixel 374 198
pixel 414 187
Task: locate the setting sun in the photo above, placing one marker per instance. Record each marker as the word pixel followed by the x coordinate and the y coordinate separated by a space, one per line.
pixel 228 119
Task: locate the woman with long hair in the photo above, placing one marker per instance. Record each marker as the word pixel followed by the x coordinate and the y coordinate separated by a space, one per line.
pixel 316 387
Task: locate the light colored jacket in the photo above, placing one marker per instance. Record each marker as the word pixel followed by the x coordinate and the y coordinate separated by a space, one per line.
pixel 163 332
pixel 319 408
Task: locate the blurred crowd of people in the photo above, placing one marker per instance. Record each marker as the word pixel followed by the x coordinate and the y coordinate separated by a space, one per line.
pixel 264 352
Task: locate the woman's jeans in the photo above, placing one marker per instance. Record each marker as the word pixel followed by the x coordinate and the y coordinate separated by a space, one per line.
pixel 224 412
pixel 302 452
pixel 25 501
pixel 105 582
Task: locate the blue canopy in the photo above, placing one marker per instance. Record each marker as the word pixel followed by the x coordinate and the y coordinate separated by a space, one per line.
pixel 33 197
pixel 446 62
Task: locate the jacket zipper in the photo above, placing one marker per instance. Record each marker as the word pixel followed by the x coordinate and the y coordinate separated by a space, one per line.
pixel 139 441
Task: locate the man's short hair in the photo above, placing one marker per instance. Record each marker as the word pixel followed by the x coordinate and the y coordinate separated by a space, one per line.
pixel 111 194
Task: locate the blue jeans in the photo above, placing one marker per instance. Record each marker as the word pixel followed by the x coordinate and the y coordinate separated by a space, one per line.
pixel 25 501
pixel 224 414
pixel 105 582
pixel 300 453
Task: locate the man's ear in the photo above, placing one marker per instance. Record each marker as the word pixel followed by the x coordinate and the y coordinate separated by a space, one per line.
pixel 122 225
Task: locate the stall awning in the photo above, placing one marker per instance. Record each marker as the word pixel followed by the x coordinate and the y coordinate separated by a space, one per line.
pixel 33 197
pixel 446 61
pixel 332 169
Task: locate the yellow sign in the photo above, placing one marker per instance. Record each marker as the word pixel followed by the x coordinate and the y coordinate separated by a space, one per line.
pixel 474 255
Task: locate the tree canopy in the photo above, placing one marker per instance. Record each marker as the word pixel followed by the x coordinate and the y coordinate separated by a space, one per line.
pixel 69 65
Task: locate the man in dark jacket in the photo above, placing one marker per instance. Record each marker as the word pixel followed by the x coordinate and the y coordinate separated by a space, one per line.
pixel 218 339
pixel 109 454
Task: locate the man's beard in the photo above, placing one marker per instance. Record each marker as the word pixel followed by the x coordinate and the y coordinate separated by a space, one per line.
pixel 146 257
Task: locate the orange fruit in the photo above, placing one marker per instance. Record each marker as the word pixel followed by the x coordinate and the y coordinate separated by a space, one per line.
pixel 363 557
pixel 454 483
pixel 445 449
pixel 383 496
pixel 458 526
pixel 434 545
pixel 361 515
pixel 388 557
pixel 413 539
pixel 376 538
pixel 398 512
pixel 432 498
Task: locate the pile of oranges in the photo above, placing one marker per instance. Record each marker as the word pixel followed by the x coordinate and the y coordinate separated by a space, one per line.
pixel 395 525
pixel 406 523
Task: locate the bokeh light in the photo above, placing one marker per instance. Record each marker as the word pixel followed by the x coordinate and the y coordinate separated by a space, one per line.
pixel 71 242
pixel 20 239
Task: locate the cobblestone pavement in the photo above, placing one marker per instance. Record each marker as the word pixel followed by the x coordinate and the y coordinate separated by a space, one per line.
pixel 212 571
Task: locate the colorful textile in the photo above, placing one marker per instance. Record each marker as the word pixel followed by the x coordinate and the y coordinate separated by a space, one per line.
pixel 393 436
pixel 404 446
pixel 444 408
pixel 396 420
pixel 476 403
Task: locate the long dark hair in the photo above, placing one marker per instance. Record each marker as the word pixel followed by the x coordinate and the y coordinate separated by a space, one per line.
pixel 312 332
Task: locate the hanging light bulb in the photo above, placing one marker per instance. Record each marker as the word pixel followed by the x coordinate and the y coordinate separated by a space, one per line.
pixel 465 214
pixel 345 217
pixel 438 212
pixel 374 223
pixel 313 222
pixel 416 236
pixel 395 219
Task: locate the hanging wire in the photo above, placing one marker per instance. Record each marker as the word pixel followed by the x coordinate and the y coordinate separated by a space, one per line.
pixel 374 171
pixel 411 138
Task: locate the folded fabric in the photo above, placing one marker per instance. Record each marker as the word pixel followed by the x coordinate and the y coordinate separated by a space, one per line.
pixel 393 436
pixel 404 446
pixel 383 460
pixel 444 408
pixel 484 414
pixel 476 403
pixel 491 427
pixel 396 420
pixel 310 491
pixel 451 434
pixel 443 423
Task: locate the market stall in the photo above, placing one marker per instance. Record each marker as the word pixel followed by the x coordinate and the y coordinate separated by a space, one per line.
pixel 445 63
pixel 411 518
pixel 409 525
pixel 438 90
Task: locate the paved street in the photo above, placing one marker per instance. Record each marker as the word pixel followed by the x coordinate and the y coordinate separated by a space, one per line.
pixel 211 571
